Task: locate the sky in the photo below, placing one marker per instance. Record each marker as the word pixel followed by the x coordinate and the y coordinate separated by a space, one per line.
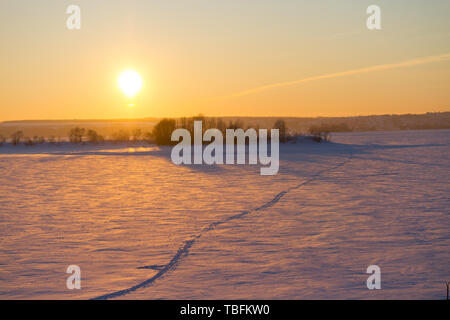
pixel 223 58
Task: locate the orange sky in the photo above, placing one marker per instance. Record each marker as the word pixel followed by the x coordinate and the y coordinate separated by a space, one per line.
pixel 223 58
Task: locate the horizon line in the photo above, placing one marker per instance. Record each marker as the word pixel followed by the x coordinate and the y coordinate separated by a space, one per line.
pixel 227 116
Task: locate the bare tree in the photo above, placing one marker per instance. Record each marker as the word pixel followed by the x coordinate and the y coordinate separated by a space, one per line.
pixel 121 135
pixel 93 136
pixel 136 134
pixel 16 137
pixel 220 124
pixel 237 124
pixel 76 135
pixel 148 136
pixel 281 126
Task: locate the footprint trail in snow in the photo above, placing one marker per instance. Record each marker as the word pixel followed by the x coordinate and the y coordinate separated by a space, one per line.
pixel 183 251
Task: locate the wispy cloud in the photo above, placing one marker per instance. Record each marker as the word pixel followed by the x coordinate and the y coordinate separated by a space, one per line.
pixel 381 67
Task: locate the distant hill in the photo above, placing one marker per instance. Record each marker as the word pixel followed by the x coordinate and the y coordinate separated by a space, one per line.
pixel 60 128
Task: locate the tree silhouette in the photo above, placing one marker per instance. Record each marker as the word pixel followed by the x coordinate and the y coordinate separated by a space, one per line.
pixel 76 135
pixel 16 137
pixel 121 135
pixel 162 132
pixel 136 134
pixel 281 126
pixel 93 136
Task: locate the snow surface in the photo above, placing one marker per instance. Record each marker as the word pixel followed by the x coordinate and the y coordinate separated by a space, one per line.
pixel 140 227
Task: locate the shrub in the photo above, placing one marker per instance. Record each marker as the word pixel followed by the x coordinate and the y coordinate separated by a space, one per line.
pixel 321 132
pixel 27 141
pixel 320 136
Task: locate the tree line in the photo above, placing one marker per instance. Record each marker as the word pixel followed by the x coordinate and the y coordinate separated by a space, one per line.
pixel 162 132
pixel 79 135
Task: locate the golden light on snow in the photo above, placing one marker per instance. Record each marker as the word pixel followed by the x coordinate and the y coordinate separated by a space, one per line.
pixel 130 82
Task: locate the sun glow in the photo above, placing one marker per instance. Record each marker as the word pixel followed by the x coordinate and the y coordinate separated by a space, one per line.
pixel 130 82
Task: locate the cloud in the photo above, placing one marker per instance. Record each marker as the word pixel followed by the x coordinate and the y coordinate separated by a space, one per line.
pixel 382 67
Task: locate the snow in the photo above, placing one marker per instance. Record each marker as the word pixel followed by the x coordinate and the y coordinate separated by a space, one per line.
pixel 140 227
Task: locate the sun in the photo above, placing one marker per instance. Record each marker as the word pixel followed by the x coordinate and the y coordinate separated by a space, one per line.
pixel 130 82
